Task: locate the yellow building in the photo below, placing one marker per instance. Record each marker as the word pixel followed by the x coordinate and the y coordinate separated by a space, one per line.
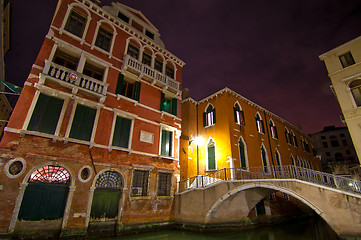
pixel 343 64
pixel 226 130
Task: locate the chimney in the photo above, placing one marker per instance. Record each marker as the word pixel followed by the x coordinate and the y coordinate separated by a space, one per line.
pixel 185 93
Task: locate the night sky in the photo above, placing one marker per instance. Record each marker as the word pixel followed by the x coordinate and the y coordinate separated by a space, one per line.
pixel 267 51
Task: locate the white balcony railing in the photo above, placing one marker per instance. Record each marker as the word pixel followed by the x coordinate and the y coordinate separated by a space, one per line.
pixel 66 75
pixel 140 68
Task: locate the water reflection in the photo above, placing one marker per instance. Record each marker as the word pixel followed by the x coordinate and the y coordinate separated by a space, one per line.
pixel 315 229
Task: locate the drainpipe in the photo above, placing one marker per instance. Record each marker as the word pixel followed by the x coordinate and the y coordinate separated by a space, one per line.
pixel 197 136
pixel 268 137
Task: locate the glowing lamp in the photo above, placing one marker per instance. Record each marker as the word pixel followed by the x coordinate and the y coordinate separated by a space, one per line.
pixel 199 141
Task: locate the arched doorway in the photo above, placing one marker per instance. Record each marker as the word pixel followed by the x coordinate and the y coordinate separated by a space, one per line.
pixel 107 195
pixel 46 194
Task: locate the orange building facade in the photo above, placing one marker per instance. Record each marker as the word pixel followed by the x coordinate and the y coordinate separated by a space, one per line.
pixel 226 130
pixel 94 138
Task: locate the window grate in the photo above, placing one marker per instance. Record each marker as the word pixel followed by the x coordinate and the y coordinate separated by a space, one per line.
pixel 50 174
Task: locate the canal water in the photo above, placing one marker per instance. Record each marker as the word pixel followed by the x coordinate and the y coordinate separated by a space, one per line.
pixel 315 229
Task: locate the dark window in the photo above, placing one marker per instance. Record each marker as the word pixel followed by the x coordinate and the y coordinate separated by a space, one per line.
pixel 211 150
pixel 133 51
pixel 168 104
pixel 123 17
pixel 259 124
pixel 273 130
pixel 121 132
pixel 166 143
pixel 65 60
pixel 355 87
pixel 342 135
pixel 264 160
pixel 344 142
pixel 149 34
pixel 164 184
pixel 346 59
pixel 295 140
pixel 238 115
pixel 93 71
pixel 323 137
pixel 140 183
pixel 127 88
pixel 104 39
pixel 287 135
pixel 328 154
pixel 75 23
pixel 147 59
pixel 348 152
pixel 339 157
pixel 278 161
pixel 335 143
pixel 242 154
pixel 158 65
pixel 83 122
pixel 325 145
pixel 46 114
pixel 169 71
pixel 209 117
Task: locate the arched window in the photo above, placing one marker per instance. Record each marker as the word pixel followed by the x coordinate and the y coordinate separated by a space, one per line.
pixel 169 70
pixel 211 153
pixel 158 63
pixel 104 39
pixel 76 21
pixel 264 160
pixel 242 154
pixel 209 116
pixel 259 123
pixel 147 57
pixel 133 49
pixel 355 88
pixel 273 129
pixel 50 174
pixel 293 161
pixel 278 158
pixel 294 139
pixel 238 114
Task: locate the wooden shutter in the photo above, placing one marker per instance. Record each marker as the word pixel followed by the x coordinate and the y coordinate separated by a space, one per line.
pixel 214 115
pixel 105 203
pixel 242 155
pixel 137 91
pixel 174 106
pixel 162 98
pixel 211 158
pixel 121 132
pixel 83 123
pixel 119 87
pixel 46 114
pixel 235 113
pixel 204 119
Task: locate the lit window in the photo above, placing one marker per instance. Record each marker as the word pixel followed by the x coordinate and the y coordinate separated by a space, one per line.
pixel 259 123
pixel 273 130
pixel 50 174
pixel 355 87
pixel 75 23
pixel 209 117
pixel 164 184
pixel 168 104
pixel 166 147
pixel 104 38
pixel 140 183
pixel 238 115
pixel 65 59
pixel 346 59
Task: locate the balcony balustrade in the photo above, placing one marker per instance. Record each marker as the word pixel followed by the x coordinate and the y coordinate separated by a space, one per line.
pixel 70 77
pixel 150 73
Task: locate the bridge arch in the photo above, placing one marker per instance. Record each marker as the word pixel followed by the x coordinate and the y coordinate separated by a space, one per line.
pixel 270 188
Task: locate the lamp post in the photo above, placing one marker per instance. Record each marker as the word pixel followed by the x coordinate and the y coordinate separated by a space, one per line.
pixel 199 141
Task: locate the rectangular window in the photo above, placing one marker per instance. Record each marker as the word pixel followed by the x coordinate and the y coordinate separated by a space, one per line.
pixel 149 34
pixel 127 88
pixel 121 132
pixel 168 105
pixel 346 59
pixel 46 114
pixel 325 144
pixel 140 183
pixel 75 23
pixel 83 122
pixel 93 71
pixel 164 184
pixel 66 60
pixel 166 143
pixel 104 39
pixel 123 17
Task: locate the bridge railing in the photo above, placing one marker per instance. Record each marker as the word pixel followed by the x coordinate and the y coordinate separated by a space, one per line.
pixel 275 172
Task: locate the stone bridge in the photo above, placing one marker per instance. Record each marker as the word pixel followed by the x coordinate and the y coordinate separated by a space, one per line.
pixel 228 200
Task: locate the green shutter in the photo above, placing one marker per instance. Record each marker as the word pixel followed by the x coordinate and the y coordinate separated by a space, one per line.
pixel 204 119
pixel 174 106
pixel 235 114
pixel 211 158
pixel 167 140
pixel 83 123
pixel 214 115
pixel 162 98
pixel 121 132
pixel 118 90
pixel 105 203
pixel 242 155
pixel 137 91
pixel 46 114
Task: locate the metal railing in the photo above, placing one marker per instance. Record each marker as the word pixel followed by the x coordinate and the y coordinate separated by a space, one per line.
pixel 275 172
pixel 150 72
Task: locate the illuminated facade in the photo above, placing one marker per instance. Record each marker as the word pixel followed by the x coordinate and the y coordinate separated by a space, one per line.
pixel 238 133
pixel 93 140
pixel 344 69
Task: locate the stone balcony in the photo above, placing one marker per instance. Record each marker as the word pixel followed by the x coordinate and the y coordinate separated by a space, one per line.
pixel 74 80
pixel 149 73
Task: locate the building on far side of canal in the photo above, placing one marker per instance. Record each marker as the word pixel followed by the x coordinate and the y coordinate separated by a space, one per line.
pixel 226 130
pixel 93 140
